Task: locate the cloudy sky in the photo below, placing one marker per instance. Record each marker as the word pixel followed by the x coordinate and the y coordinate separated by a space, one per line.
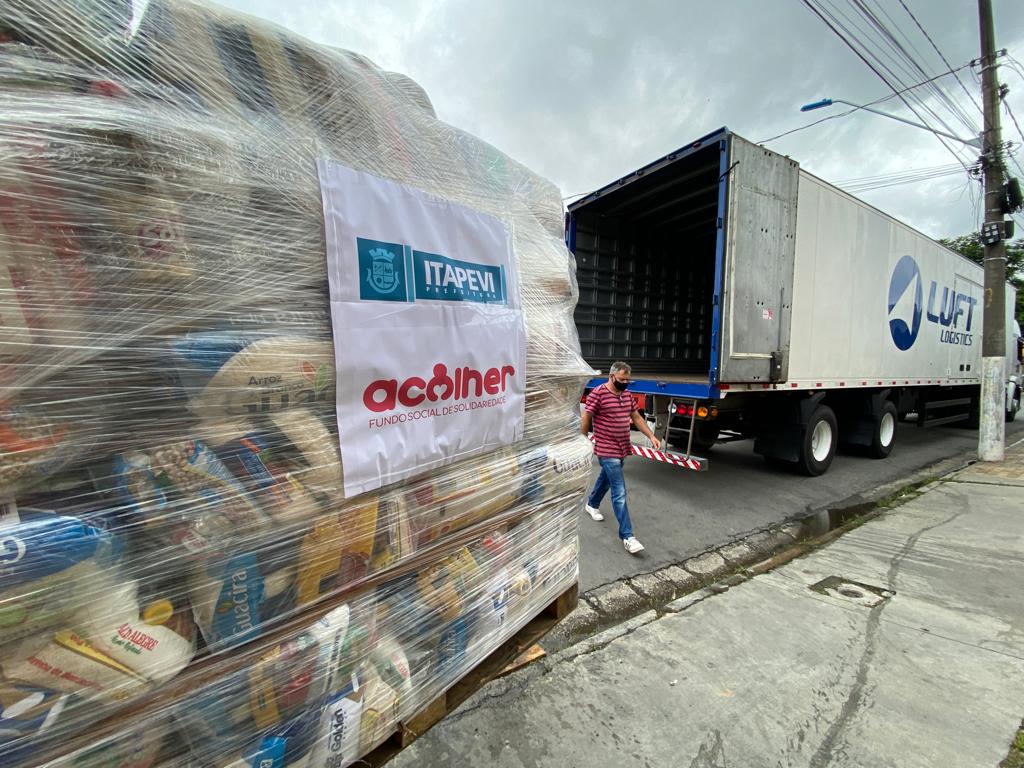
pixel 585 92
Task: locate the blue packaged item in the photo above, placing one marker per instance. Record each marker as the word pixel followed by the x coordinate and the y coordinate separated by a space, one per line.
pixel 27 712
pixel 209 350
pixel 231 374
pixel 236 613
pixel 42 544
pixel 269 754
pixel 451 649
pixel 50 565
pixel 286 745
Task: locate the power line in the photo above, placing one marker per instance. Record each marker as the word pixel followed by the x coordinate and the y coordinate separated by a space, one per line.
pixel 907 59
pixel 904 60
pixel 869 104
pixel 887 80
pixel 897 178
pixel 905 172
pixel 941 55
pixel 1018 69
pixel 1015 65
pixel 1006 106
pixel 1012 154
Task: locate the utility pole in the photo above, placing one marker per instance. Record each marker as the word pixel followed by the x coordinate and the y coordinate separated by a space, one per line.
pixel 992 427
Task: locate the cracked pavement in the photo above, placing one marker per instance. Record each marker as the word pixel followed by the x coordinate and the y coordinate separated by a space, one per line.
pixel 768 672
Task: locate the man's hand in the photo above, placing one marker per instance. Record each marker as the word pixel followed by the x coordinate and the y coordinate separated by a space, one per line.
pixel 586 423
pixel 641 424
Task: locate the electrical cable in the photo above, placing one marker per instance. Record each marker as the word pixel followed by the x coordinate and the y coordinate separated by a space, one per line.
pixel 869 104
pixel 820 13
pixel 905 61
pixel 897 178
pixel 917 70
pixel 941 55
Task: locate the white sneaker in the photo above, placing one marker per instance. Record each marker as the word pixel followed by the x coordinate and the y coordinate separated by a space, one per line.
pixel 595 514
pixel 632 545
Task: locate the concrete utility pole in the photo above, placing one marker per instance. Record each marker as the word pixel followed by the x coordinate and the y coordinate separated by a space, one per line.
pixel 992 432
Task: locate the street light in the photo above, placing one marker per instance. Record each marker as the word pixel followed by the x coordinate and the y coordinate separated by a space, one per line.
pixel 976 143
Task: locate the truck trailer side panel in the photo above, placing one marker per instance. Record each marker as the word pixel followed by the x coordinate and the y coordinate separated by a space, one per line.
pixel 877 303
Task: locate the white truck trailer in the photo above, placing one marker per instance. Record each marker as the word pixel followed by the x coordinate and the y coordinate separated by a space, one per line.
pixel 756 301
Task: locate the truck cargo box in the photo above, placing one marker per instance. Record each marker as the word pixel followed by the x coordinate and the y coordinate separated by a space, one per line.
pixel 756 301
pixel 725 266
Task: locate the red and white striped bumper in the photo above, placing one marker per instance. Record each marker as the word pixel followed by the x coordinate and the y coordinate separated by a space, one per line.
pixel 696 463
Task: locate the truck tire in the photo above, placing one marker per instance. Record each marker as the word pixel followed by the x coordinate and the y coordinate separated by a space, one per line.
pixel 884 437
pixel 1011 412
pixel 819 441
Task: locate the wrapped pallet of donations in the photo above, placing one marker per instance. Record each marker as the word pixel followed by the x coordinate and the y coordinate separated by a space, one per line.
pixel 288 389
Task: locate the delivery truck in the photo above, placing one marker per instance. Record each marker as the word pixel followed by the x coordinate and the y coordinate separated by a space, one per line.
pixel 756 301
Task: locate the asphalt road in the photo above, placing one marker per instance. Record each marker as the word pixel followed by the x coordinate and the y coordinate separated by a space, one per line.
pixel 678 513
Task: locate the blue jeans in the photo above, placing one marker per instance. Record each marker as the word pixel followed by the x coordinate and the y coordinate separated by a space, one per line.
pixel 611 477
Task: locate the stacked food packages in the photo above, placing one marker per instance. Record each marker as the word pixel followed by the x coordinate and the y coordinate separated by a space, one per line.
pixel 288 389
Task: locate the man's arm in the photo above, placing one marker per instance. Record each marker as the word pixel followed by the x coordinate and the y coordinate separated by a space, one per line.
pixel 586 422
pixel 641 424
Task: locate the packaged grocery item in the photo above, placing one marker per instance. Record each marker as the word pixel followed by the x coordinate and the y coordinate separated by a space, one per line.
pixel 247 374
pixel 190 574
pixel 50 567
pixel 27 713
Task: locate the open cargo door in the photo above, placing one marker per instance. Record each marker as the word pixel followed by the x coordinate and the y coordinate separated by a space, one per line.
pixel 648 249
pixel 760 248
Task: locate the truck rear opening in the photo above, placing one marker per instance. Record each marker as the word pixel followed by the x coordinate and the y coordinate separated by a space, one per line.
pixel 645 253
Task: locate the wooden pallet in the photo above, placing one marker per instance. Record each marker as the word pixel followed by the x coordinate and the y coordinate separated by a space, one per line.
pixel 494 666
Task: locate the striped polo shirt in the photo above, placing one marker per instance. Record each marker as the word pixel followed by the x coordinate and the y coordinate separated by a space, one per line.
pixel 611 412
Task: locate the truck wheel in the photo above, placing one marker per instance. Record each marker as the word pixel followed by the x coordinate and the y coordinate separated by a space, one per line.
pixel 818 447
pixel 885 431
pixel 1011 413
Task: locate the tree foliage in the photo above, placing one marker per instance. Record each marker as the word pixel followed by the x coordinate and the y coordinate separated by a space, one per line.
pixel 971 247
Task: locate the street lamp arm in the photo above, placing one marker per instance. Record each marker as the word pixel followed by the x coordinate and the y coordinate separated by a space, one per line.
pixel 976 142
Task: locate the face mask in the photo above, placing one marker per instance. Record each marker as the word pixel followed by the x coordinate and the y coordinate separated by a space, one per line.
pixel 620 385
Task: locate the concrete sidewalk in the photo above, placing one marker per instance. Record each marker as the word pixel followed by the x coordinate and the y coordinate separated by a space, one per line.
pixel 899 644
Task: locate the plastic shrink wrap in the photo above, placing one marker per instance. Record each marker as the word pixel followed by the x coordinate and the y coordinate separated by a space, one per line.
pixel 184 579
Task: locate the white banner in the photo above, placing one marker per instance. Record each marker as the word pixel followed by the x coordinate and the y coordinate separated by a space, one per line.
pixel 428 330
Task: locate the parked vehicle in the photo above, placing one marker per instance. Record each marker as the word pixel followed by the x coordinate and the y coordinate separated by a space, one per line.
pixel 756 301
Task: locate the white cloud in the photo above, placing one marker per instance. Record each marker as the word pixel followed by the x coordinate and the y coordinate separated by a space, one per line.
pixel 586 92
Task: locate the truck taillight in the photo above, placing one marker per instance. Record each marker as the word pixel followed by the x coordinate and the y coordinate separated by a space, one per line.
pixel 672 408
pixel 702 412
pixel 714 413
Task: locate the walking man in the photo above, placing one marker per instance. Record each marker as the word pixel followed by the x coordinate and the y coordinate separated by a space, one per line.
pixel 609 411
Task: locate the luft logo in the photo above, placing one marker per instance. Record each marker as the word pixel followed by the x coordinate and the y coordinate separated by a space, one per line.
pixel 381 271
pixel 904 287
pixel 906 301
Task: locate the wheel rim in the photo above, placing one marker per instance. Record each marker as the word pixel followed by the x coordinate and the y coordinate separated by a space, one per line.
pixel 821 440
pixel 886 429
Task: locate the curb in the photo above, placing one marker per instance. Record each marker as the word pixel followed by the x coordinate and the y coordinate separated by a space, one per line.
pixel 672 588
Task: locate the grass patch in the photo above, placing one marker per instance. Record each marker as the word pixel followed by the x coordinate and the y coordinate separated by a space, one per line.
pixel 1015 758
pixel 900 496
